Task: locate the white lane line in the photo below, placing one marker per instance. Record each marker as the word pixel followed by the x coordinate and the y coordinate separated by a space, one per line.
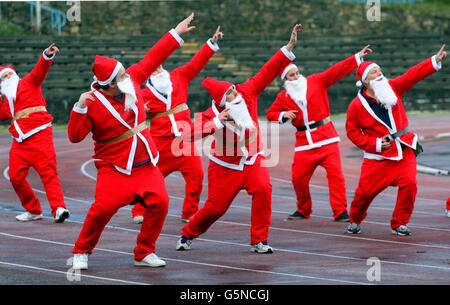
pixel 292 230
pixel 194 262
pixel 65 273
pixel 286 250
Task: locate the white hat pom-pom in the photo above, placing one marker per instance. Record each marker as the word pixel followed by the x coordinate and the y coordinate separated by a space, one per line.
pixel 359 83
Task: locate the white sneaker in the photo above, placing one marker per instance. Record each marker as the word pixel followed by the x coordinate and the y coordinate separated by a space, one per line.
pixel 28 217
pixel 151 260
pixel 80 261
pixel 447 212
pixel 61 215
pixel 261 247
pixel 138 219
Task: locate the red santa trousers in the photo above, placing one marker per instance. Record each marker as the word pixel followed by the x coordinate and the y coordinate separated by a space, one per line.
pixel 305 163
pixel 448 204
pixel 223 186
pixel 115 190
pixel 189 164
pixel 376 176
pixel 37 151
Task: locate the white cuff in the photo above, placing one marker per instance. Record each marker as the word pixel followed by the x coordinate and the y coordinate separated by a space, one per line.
pixel 79 110
pixel 358 58
pixel 213 46
pixel 378 145
pixel 46 57
pixel 280 118
pixel 218 123
pixel 176 36
pixel 437 66
pixel 287 53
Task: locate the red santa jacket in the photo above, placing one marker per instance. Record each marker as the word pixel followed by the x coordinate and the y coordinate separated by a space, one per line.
pixel 29 94
pixel 232 147
pixel 366 130
pixel 317 106
pixel 166 126
pixel 106 117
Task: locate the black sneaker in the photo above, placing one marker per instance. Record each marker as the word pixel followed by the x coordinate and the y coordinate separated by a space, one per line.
pixel 343 217
pixel 183 244
pixel 402 231
pixel 353 228
pixel 296 215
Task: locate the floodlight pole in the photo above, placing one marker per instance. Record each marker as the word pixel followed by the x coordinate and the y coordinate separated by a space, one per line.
pixel 38 16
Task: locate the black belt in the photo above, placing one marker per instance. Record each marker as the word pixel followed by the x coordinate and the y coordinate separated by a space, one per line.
pixel 141 163
pixel 392 136
pixel 314 125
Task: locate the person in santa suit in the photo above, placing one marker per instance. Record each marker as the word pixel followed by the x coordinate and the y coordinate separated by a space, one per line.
pixel 305 102
pixel 125 154
pixel 237 155
pixel 166 97
pixel 447 209
pixel 378 125
pixel 24 105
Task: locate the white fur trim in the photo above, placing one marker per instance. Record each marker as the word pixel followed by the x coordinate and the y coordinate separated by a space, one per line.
pixel 358 58
pixel 437 66
pixel 317 144
pixel 366 71
pixel 47 57
pixel 287 53
pixel 218 123
pixel 6 70
pixel 224 97
pixel 286 70
pixel 213 46
pixel 111 77
pixel 23 136
pixel 378 145
pixel 241 164
pixel 280 118
pixel 176 36
pixel 79 110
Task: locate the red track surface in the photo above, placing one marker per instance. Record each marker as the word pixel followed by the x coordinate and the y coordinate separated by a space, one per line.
pixel 314 251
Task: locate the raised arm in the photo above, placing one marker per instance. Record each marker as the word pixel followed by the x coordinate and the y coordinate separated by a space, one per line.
pixel 199 60
pixel 155 57
pixel 405 82
pixel 343 68
pixel 39 72
pixel 274 66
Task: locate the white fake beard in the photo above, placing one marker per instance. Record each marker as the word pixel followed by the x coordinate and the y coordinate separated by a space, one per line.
pixel 127 88
pixel 239 113
pixel 296 89
pixel 383 91
pixel 9 88
pixel 162 82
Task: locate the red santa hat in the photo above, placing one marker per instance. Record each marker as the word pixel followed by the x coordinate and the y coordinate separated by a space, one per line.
pixel 363 71
pixel 286 69
pixel 105 69
pixel 5 69
pixel 217 89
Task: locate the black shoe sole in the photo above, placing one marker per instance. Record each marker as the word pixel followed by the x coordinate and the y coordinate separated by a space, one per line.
pixel 63 217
